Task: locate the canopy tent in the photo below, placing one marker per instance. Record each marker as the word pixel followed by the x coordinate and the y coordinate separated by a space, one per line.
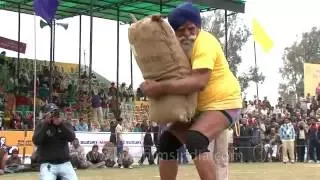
pixel 118 10
pixel 108 9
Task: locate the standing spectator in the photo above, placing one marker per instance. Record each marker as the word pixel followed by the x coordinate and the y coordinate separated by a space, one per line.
pixel 251 107
pixel 147 145
pixel 97 109
pixel 156 131
pixel 318 93
pixel 287 137
pixel 244 141
pixel 314 138
pixel 301 142
pixel 130 92
pixel 112 91
pixel 266 103
pixel 255 138
pixel 113 138
pixel 119 142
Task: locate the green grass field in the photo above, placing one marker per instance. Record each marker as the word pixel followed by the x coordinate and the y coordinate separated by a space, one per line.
pixel 253 171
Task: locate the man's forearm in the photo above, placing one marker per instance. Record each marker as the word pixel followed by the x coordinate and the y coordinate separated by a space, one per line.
pixel 68 130
pixel 184 86
pixel 39 134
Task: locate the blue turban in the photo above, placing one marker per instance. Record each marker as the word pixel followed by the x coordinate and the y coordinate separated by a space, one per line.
pixel 182 13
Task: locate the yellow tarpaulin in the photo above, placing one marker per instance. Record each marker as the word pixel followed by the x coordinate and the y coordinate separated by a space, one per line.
pixel 311 78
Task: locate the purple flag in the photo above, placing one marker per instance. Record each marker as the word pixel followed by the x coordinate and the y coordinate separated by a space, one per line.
pixel 46 9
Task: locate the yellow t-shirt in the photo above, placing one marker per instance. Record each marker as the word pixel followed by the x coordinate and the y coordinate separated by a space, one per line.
pixel 223 89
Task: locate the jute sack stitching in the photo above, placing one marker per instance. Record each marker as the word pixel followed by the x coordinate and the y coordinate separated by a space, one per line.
pixel 160 57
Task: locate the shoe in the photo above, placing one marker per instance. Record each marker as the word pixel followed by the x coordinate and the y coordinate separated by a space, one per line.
pixel 130 167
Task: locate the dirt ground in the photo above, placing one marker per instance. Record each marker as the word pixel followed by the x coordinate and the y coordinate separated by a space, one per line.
pixel 253 171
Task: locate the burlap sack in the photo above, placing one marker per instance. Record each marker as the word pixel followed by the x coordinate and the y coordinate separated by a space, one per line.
pixel 160 57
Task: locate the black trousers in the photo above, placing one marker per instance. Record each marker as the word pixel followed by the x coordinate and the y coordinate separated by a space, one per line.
pixel 245 149
pixel 301 149
pixel 147 154
pixel 314 147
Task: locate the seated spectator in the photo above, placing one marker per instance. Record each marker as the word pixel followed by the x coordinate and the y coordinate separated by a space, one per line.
pixel 96 158
pixel 78 156
pixel 3 160
pixel 14 163
pixel 81 126
pixel 35 165
pixel 109 154
pixel 105 127
pixel 137 128
pixel 127 159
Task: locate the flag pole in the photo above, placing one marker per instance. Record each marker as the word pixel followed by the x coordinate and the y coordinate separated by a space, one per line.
pixel 35 73
pixel 256 67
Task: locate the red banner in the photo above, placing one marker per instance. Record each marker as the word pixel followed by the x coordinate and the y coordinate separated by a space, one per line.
pixel 12 45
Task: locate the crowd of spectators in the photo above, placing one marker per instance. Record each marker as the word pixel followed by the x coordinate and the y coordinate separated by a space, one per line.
pixel 96 108
pixel 271 133
pixel 286 132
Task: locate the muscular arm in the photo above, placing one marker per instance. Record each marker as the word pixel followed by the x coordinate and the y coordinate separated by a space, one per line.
pixel 68 131
pixel 39 134
pixel 193 83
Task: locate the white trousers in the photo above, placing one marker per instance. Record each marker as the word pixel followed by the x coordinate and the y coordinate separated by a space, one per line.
pixel 98 115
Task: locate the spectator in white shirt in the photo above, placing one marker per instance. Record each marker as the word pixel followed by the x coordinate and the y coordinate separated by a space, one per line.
pixel 251 107
pixel 119 140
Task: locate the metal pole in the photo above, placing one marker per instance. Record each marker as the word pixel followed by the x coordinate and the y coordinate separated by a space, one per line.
pixel 118 55
pixel 35 72
pixel 54 42
pixel 256 66
pixel 80 33
pixel 90 57
pixel 226 33
pixel 131 68
pixel 50 64
pixel 19 36
pixel 160 6
pixel 90 53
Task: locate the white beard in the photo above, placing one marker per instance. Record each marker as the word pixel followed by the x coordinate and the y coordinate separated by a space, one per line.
pixel 187 45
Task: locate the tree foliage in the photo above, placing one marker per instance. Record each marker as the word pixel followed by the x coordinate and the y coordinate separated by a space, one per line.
pixel 253 75
pixel 307 50
pixel 238 35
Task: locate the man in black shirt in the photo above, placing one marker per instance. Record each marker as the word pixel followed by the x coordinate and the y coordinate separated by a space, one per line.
pixel 51 136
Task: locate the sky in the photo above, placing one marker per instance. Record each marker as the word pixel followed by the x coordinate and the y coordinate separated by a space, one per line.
pixel 283 20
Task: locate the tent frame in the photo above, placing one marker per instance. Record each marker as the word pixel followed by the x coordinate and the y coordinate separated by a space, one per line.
pixel 118 10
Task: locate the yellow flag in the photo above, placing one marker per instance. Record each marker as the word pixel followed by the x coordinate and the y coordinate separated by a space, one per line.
pixel 261 37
